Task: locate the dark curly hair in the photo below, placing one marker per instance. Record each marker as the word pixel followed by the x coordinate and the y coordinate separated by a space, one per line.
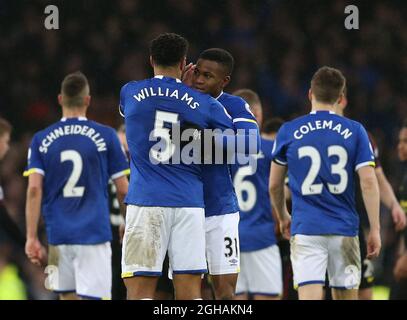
pixel 168 49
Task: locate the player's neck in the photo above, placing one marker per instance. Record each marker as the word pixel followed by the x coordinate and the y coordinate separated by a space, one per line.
pixel 317 106
pixel 167 72
pixel 73 112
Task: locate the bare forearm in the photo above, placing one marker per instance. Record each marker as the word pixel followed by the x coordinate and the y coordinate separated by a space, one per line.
pixel 278 200
pixel 120 197
pixel 33 211
pixel 371 199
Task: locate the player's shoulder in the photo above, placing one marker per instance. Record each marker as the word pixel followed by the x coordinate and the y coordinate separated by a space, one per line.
pixel 352 123
pixel 43 132
pixel 100 126
pixel 129 85
pixel 232 98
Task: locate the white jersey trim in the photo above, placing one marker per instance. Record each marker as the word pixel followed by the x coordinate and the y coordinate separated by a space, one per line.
pixel 120 111
pixel 160 76
pixel 120 174
pixel 244 119
pixel 364 164
pixel 280 162
pixel 32 170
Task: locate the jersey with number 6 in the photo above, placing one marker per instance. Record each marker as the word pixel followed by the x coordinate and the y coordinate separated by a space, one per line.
pixel 77 157
pixel 323 151
pixel 251 181
pixel 151 108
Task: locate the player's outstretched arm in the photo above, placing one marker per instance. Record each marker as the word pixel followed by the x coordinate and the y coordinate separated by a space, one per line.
pixel 371 199
pixel 33 248
pixel 389 199
pixel 276 189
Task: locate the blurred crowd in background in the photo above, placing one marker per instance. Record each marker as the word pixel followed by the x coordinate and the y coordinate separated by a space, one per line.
pixel 277 46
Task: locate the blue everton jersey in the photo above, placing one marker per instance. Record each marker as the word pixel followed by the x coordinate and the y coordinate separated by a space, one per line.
pixel 251 181
pixel 77 157
pixel 220 197
pixel 151 107
pixel 323 151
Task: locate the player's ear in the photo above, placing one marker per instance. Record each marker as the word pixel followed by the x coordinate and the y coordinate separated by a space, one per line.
pixel 60 99
pixel 310 95
pixel 343 101
pixel 87 100
pixel 151 61
pixel 226 81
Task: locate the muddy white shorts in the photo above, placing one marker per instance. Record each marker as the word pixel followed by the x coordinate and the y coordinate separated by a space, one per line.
pixel 312 256
pixel 151 231
pixel 261 272
pixel 222 243
pixel 82 269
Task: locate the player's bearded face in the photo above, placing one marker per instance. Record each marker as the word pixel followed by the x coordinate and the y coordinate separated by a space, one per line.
pixel 402 146
pixel 208 77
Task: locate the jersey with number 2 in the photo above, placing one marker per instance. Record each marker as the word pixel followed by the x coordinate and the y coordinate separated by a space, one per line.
pixel 77 157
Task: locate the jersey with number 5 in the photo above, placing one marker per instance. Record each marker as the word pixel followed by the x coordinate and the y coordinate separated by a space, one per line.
pixel 151 108
pixel 323 151
pixel 77 157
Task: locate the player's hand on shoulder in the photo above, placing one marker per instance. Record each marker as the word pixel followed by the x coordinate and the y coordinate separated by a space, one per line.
pixel 187 74
pixel 374 244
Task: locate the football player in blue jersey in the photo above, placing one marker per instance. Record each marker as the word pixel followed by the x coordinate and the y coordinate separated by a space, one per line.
pixel 260 277
pixel 69 166
pixel 165 202
pixel 322 152
pixel 211 74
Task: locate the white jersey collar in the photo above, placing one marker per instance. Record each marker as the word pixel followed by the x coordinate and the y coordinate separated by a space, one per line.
pixel 79 118
pixel 160 76
pixel 315 111
pixel 219 95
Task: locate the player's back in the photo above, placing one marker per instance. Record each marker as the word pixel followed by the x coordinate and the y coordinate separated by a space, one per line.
pixel 251 181
pixel 77 157
pixel 150 108
pixel 323 151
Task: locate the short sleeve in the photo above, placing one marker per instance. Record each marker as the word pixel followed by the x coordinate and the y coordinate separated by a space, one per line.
pixel 122 102
pixel 241 113
pixel 279 152
pixel 118 165
pixel 375 149
pixel 364 150
pixel 34 159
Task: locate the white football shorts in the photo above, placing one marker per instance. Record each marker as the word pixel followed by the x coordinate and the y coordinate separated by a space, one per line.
pixel 312 256
pixel 151 231
pixel 82 269
pixel 261 272
pixel 222 244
